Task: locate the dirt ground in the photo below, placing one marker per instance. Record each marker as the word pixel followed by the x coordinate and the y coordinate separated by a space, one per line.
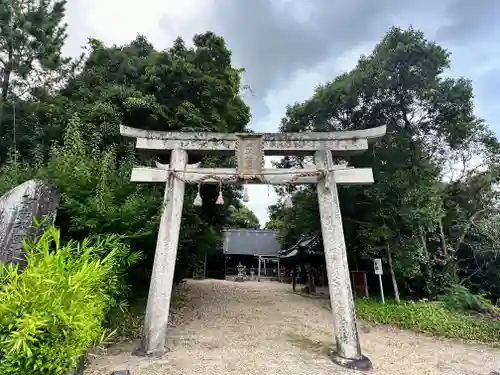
pixel 256 328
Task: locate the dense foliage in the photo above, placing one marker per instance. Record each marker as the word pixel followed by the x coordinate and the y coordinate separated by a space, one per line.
pixel 54 310
pixel 432 318
pixel 434 206
pixel 71 138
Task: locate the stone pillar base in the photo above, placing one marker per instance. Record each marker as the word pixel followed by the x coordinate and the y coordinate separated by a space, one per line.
pixel 140 352
pixel 361 364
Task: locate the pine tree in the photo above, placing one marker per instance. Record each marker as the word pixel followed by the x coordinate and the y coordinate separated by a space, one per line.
pixel 32 33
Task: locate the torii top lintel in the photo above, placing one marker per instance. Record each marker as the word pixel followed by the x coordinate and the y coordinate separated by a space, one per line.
pixel 304 143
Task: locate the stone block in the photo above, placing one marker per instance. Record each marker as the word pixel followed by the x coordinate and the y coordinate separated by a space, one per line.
pixel 18 207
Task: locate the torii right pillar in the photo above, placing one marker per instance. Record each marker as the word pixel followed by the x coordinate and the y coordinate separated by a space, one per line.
pixel 348 349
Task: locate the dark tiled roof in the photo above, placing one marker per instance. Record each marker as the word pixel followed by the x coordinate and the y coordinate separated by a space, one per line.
pixel 251 242
pixel 305 245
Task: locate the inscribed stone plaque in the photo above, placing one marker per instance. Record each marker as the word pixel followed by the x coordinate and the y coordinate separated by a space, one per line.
pixel 250 155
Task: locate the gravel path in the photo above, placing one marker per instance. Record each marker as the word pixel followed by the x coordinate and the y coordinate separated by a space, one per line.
pixel 257 328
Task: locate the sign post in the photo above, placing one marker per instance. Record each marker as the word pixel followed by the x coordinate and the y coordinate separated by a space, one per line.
pixel 377 265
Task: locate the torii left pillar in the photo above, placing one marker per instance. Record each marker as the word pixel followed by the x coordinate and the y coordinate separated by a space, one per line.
pixel 162 277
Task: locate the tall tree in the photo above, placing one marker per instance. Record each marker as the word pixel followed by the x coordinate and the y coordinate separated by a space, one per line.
pixel 32 34
pixel 182 89
pixel 241 216
pixel 429 120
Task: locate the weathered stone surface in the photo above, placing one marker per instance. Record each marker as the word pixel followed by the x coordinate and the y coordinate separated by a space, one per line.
pixel 371 134
pixel 162 277
pixel 345 176
pixel 278 144
pixel 17 208
pixel 348 349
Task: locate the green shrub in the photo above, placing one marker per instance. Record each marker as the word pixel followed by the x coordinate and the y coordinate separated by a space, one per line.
pixel 458 297
pixel 54 310
pixel 128 324
pixel 430 317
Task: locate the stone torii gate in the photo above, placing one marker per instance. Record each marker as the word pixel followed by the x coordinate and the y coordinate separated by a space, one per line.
pixel 249 150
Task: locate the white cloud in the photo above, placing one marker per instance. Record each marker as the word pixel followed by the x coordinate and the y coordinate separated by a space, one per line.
pixel 301 11
pixel 115 21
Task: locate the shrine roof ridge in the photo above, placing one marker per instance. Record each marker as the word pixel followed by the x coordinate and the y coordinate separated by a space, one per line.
pixel 371 134
pixel 250 230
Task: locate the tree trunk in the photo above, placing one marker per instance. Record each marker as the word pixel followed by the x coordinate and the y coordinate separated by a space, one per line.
pixel 294 277
pixel 452 262
pixel 5 83
pixel 393 275
pixel 428 266
pixel 443 238
pixel 5 90
pixel 6 73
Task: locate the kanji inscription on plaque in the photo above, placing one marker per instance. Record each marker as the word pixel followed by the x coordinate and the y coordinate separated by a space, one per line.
pixel 250 155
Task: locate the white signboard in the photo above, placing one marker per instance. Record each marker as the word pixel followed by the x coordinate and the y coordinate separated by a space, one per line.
pixel 377 265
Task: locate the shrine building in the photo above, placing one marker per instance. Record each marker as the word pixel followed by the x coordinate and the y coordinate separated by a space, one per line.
pixel 256 249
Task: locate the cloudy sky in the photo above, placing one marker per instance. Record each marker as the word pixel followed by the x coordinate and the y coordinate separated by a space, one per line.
pixel 290 46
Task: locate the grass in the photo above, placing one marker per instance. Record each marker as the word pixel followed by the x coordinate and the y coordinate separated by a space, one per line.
pixel 431 318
